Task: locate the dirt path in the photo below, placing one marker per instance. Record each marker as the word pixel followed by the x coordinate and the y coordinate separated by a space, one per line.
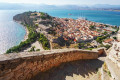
pixel 37 46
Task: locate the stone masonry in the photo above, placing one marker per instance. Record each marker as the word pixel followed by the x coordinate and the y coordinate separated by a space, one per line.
pixel 24 66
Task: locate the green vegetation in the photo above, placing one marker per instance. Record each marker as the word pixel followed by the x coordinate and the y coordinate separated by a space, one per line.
pixel 107 46
pixel 105 33
pixel 42 13
pixel 92 27
pixel 90 48
pixel 32 37
pixel 52 31
pixel 109 73
pixel 101 38
pixel 35 14
pixel 86 46
pixel 81 45
pixel 98 30
pixel 44 41
pixel 32 49
pixel 117 30
pixel 44 16
pixel 115 27
pixel 115 38
pixel 106 25
pixel 105 69
pixel 38 50
pixel 36 25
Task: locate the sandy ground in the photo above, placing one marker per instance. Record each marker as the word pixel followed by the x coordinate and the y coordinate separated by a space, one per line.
pixel 26 35
pixel 37 46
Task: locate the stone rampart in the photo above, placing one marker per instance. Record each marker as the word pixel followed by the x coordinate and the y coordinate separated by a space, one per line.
pixel 24 66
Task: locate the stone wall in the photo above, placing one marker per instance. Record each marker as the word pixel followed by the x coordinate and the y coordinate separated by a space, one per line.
pixel 24 66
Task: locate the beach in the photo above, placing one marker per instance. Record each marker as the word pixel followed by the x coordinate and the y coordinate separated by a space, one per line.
pixel 27 31
pixel 26 35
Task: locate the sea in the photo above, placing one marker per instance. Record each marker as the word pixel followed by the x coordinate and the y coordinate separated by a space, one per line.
pixel 12 33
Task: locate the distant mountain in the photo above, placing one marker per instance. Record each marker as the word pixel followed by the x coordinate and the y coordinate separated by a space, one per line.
pixel 105 6
pixel 18 6
pixel 9 6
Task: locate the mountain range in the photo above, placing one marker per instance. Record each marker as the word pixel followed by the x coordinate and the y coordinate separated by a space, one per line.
pixel 18 6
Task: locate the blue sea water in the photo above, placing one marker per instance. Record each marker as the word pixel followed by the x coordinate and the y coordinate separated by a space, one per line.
pixel 12 33
pixel 107 17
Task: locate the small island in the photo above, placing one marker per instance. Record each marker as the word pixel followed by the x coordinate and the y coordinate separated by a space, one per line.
pixel 46 32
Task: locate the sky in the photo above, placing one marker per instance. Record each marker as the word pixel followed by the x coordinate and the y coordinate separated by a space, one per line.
pixel 65 2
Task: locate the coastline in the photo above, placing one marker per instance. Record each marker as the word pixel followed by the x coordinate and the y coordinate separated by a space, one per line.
pixel 98 22
pixel 26 30
pixel 26 34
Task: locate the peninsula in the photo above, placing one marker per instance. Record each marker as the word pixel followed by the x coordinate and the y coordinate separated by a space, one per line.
pixel 58 33
pixel 63 64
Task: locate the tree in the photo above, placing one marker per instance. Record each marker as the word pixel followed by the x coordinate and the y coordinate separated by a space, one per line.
pixel 92 27
pixel 113 32
pixel 107 46
pixel 115 38
pixel 105 33
pixel 99 39
pixel 32 49
pixel 81 45
pixel 44 41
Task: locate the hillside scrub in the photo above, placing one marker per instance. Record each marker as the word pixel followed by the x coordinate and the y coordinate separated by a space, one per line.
pixel 32 37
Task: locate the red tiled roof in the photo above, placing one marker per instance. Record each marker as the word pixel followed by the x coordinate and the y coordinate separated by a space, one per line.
pixel 108 40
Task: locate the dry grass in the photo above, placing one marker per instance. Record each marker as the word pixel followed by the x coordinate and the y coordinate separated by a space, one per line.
pixel 105 69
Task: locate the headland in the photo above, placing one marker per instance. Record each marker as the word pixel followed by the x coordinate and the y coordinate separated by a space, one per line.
pixel 59 33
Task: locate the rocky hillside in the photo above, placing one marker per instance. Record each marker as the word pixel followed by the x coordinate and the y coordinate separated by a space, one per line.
pixel 24 18
pixel 28 18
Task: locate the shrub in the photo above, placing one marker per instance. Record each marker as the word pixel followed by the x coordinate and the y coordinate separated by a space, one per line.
pixel 115 38
pixel 32 49
pixel 92 27
pixel 32 37
pixel 101 38
pixel 81 45
pixel 107 46
pixel 44 41
pixel 38 50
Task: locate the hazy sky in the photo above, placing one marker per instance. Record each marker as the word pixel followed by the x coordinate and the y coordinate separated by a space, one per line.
pixel 63 2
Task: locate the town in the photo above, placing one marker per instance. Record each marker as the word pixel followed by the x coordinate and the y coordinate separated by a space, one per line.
pixel 67 31
pixel 80 29
pixel 47 35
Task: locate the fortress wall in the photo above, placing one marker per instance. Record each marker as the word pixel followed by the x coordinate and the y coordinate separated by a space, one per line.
pixel 23 66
